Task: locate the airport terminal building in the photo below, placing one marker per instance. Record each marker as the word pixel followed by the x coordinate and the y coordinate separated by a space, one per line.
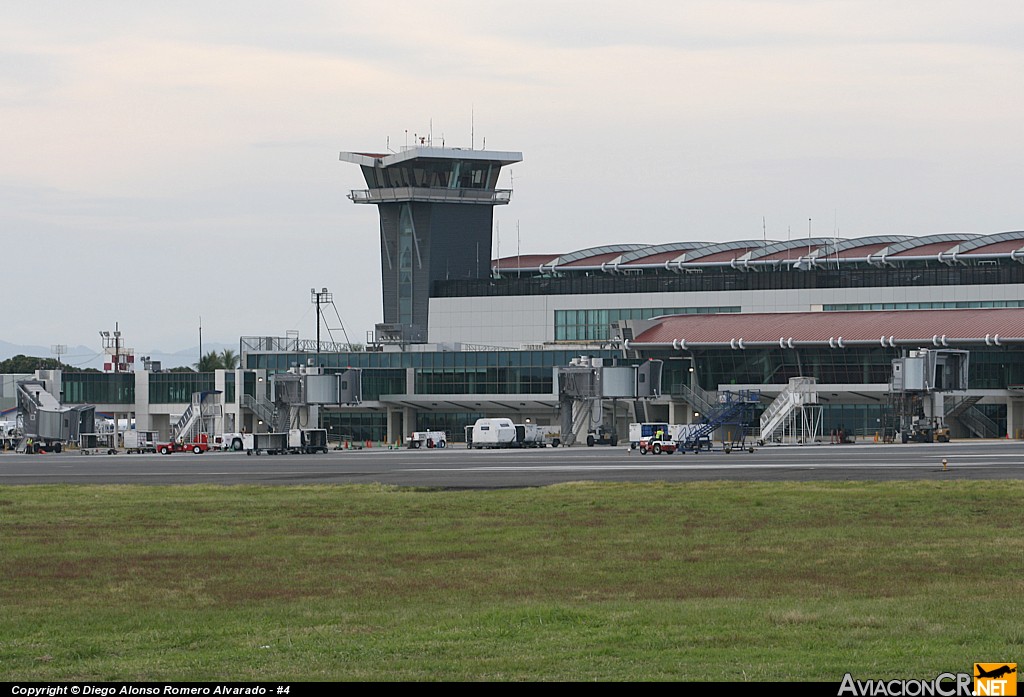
pixel 466 335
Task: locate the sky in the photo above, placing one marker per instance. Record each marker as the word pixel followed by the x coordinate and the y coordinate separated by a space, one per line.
pixel 166 166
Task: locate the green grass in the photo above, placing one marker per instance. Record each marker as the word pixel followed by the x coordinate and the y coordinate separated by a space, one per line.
pixel 705 581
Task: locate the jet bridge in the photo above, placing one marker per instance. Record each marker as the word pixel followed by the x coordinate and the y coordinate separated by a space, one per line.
pixel 45 423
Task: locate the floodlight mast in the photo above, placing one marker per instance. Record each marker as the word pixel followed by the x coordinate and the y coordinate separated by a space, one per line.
pixel 319 298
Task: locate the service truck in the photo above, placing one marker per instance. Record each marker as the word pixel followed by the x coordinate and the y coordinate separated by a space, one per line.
pixel 198 445
pixel 427 439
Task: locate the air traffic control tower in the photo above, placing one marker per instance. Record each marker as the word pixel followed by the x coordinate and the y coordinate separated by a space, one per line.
pixel 436 215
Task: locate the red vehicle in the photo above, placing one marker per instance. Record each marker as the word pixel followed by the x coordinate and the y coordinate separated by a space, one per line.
pixel 651 445
pixel 200 445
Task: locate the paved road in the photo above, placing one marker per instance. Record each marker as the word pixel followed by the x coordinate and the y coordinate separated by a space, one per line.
pixel 460 468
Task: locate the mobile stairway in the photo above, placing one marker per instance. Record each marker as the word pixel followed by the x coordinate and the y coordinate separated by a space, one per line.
pixel 204 415
pixel 793 416
pixel 733 409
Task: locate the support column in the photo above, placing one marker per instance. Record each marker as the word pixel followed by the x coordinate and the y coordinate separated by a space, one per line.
pixel 1014 417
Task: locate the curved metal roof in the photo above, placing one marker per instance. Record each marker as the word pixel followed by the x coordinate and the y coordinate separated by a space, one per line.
pixel 592 252
pixel 800 247
pixel 741 253
pixel 929 244
pixel 720 251
pixel 677 248
pixel 1005 241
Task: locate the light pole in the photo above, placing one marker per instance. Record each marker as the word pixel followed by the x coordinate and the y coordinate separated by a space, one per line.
pixel 319 298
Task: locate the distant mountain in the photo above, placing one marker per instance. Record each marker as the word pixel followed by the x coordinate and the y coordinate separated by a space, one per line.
pixel 92 357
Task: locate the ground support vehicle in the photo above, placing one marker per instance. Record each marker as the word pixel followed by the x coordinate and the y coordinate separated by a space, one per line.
pixel 269 443
pixel 530 436
pixel 427 439
pixel 733 414
pixel 198 445
pixel 691 437
pixel 926 430
pixel 237 441
pixel 96 444
pixel 307 440
pixel 140 441
pixel 552 435
pixel 602 436
pixel 657 447
pixel 648 429
pixel 493 433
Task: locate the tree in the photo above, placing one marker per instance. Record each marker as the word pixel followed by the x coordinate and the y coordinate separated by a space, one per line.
pixel 209 362
pixel 226 360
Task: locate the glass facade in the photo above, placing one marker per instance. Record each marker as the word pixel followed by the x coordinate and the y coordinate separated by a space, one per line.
pixel 98 388
pixel 177 388
pixel 946 305
pixel 425 172
pixel 405 265
pixel 593 325
pixel 714 279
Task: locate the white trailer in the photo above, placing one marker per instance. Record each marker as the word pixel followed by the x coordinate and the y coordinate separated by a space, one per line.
pixel 640 431
pixel 140 441
pixel 427 439
pixel 493 433
pixel 530 436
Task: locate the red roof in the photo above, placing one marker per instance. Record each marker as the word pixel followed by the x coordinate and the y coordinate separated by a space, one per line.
pixel 595 260
pixel 526 261
pixel 726 255
pixel 925 250
pixel 1004 247
pixel 864 250
pixel 660 258
pixel 820 327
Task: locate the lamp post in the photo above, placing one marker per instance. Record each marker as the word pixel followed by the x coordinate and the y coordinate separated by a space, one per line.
pixel 319 298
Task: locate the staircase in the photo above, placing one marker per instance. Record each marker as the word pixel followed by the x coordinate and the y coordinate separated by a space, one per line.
pixel 733 408
pixel 700 399
pixel 965 413
pixel 203 415
pixel 265 411
pixel 798 393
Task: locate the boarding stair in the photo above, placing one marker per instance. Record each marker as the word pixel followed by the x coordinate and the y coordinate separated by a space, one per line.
pixel 733 408
pixel 782 413
pixel 204 414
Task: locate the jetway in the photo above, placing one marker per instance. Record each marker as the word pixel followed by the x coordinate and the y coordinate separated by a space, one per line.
pixel 45 423
pixel 586 386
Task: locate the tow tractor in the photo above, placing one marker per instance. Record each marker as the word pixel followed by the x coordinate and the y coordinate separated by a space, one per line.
pixel 200 444
pixel 649 444
pixel 925 430
pixel 427 439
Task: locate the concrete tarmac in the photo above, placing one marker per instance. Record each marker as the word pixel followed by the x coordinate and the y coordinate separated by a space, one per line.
pixel 459 468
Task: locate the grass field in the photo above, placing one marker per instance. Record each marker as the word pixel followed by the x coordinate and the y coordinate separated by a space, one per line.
pixel 706 581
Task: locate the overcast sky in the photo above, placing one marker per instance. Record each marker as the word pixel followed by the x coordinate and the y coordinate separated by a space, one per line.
pixel 162 162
